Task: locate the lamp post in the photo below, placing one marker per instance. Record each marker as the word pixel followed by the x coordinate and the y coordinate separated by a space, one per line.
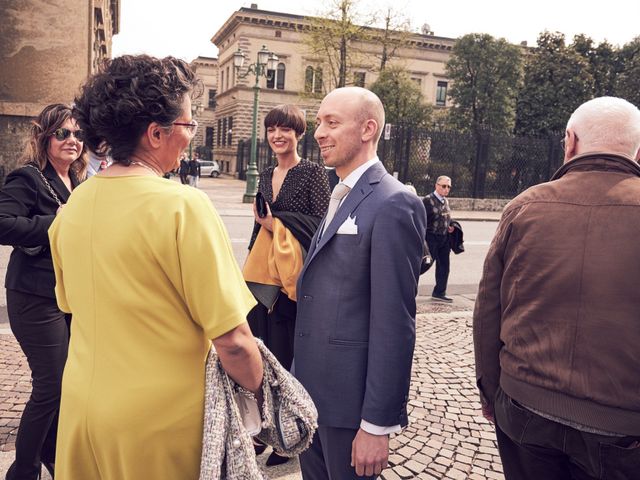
pixel 266 61
pixel 196 109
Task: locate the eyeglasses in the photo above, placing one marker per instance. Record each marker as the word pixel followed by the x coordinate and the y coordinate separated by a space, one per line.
pixel 192 127
pixel 62 134
pixel 445 186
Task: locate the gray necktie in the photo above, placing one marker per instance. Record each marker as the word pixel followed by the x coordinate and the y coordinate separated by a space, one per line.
pixel 339 192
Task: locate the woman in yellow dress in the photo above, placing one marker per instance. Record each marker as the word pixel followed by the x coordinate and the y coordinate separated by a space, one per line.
pixel 146 268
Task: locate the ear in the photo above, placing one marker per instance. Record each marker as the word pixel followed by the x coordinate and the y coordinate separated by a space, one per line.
pixel 571 145
pixel 369 130
pixel 154 135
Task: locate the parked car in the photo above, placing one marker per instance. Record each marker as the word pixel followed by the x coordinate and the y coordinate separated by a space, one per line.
pixel 209 168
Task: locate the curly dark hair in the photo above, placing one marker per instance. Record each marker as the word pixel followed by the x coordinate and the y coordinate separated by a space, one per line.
pixel 117 104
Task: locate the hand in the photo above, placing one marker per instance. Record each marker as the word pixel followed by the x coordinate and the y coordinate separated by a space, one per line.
pixel 266 222
pixel 487 412
pixel 369 453
pixel 451 229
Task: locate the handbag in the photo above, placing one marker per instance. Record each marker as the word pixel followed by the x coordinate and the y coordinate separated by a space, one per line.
pixel 37 250
pixel 261 205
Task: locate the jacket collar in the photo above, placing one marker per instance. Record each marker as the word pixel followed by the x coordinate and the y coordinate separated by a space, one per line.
pixel 599 161
pixel 363 187
pixel 57 184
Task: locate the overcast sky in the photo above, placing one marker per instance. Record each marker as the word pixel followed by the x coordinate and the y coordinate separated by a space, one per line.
pixel 184 28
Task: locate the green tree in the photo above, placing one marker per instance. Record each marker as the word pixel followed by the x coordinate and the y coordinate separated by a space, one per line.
pixel 486 73
pixel 401 98
pixel 603 61
pixel 628 81
pixel 331 37
pixel 557 79
pixel 393 35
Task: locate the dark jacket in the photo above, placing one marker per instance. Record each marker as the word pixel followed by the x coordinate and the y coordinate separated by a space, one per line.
pixel 194 168
pixel 27 210
pixel 456 238
pixel 556 316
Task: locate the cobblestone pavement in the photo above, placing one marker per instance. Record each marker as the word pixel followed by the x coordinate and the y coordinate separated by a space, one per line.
pixel 447 438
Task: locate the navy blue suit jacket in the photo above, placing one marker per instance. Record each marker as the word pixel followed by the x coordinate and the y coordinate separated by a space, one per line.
pixel 355 326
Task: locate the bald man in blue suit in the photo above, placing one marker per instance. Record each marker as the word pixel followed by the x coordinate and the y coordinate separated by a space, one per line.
pixel 355 327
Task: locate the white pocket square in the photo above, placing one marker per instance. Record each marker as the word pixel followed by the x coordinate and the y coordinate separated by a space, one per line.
pixel 349 227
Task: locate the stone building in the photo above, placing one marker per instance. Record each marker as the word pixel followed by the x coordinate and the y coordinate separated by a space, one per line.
pixel 47 49
pixel 298 77
pixel 204 106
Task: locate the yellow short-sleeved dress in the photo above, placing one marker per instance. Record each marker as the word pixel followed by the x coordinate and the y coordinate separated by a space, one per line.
pixel 146 267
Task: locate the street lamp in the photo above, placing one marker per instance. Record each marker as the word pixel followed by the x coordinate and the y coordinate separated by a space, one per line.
pixel 196 109
pixel 266 61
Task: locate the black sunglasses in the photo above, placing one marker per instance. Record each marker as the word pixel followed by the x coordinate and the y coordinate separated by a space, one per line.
pixel 62 134
pixel 444 186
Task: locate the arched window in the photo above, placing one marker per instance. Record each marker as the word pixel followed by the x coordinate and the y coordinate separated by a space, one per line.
pixel 308 79
pixel 317 81
pixel 313 80
pixel 275 78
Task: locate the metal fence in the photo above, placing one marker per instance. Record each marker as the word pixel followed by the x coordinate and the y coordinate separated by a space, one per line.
pixel 482 165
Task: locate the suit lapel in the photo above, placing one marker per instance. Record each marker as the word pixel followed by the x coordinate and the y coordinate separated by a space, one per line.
pixel 360 191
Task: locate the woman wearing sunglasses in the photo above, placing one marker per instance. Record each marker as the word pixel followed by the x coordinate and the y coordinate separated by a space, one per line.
pixel 54 163
pixel 163 285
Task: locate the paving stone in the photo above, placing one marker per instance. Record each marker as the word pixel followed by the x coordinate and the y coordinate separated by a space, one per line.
pixel 447 436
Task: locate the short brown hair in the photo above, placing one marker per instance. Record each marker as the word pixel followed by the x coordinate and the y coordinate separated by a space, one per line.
pixel 288 116
pixel 50 119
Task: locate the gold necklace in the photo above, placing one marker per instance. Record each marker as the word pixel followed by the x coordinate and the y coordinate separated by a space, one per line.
pixel 144 165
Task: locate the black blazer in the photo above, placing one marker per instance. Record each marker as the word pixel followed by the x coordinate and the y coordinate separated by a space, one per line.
pixel 27 210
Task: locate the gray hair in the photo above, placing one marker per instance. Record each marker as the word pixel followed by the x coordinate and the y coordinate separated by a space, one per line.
pixel 607 124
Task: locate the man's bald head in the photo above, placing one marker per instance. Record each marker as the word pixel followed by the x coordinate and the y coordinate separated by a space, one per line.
pixel 366 105
pixel 605 124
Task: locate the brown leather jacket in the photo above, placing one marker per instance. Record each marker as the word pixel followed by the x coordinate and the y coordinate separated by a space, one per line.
pixel 557 317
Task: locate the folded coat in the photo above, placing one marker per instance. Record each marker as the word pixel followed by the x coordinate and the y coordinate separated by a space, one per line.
pixel 289 420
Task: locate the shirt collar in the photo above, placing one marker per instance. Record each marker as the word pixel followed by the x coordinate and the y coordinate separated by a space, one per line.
pixel 354 176
pixel 438 196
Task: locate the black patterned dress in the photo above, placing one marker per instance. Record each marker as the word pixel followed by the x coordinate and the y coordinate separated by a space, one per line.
pixel 305 190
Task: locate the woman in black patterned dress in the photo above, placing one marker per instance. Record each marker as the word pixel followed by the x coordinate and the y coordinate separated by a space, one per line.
pixel 297 193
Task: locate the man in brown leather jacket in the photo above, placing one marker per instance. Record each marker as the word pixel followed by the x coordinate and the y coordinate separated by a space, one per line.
pixel 557 317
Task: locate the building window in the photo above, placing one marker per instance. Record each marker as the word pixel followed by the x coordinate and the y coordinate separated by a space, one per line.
pixel 441 94
pixel 228 79
pixel 313 80
pixel 280 77
pixel 218 137
pixel 230 131
pixel 317 81
pixel 208 137
pixel 358 79
pixel 278 34
pixel 275 78
pixel 224 131
pixel 308 79
pixel 212 98
pixel 417 81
